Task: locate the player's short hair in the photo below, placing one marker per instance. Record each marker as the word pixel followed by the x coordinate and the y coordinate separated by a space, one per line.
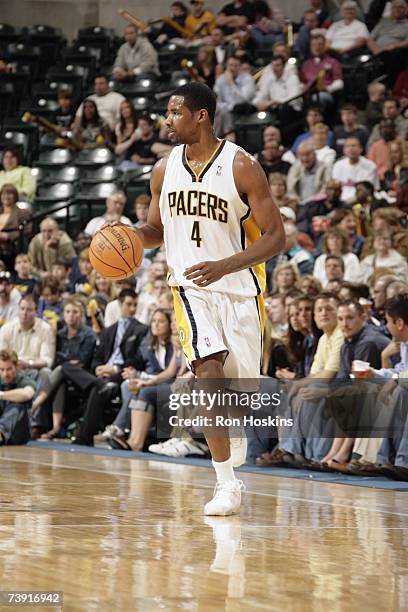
pixel 397 307
pixel 198 96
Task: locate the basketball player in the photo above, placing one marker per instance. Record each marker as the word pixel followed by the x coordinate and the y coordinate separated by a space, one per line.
pixel 212 206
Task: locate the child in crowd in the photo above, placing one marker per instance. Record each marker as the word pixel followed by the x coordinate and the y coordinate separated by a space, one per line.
pixel 50 305
pixel 24 281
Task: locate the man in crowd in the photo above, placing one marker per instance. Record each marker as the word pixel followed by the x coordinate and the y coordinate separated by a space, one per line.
pixel 107 101
pixel 49 246
pixel 200 22
pixel 294 252
pixel 354 168
pixel 349 34
pixel 314 116
pixel 237 14
pixel 8 307
pixel 307 177
pixel 379 152
pixel 349 128
pixel 16 393
pixel 322 71
pixel 302 43
pixel 115 204
pixel 275 87
pixel 334 268
pixel 390 110
pixel 136 57
pixel 234 87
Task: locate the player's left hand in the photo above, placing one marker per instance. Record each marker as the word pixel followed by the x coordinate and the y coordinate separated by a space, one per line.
pixel 205 273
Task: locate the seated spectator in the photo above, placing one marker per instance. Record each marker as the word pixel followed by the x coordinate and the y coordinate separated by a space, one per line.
pixel 373 110
pixel 178 14
pixel 400 89
pixel 365 205
pixel 11 216
pixel 349 128
pixel 64 115
pixel 141 209
pixel 136 57
pixel 313 218
pixel 200 22
pixel 158 298
pixel 126 126
pixel 310 286
pixel 273 134
pixel 24 281
pixel 17 391
pixel 234 88
pixel 307 177
pixel 107 101
pixel 354 168
pixel 237 14
pixel 80 283
pixel 323 152
pixel 103 289
pixel 112 311
pixel 49 246
pixel 205 65
pixel 75 346
pixel 397 161
pixel 336 243
pixel 8 308
pixel 304 36
pixel 50 305
pixel 390 110
pixel 334 269
pixel 345 221
pixel 277 183
pixel 218 42
pixel 394 288
pixel 285 277
pixel 271 160
pixel 115 205
pixel 389 39
pixel 335 10
pixel 89 129
pixel 275 87
pixel 322 72
pixel 294 252
pixel 15 174
pixel 276 314
pixel 379 152
pixel 60 271
pixel 314 115
pixel 349 34
pixel 384 256
pixel 268 26
pixel 138 150
pixel 320 9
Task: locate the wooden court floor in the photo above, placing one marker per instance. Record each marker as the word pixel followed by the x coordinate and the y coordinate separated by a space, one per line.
pixel 119 534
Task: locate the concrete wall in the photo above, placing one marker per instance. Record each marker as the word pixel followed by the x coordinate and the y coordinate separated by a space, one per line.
pixel 73 14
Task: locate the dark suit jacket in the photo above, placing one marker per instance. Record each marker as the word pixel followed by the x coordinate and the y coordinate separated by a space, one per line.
pixel 129 346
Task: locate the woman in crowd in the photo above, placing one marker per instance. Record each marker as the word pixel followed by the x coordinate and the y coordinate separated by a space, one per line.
pixel 384 256
pixel 336 243
pixel 103 290
pixel 277 183
pixel 90 130
pixel 397 161
pixel 15 174
pixel 75 346
pixel 344 220
pixel 206 65
pixel 11 216
pixel 285 278
pixel 310 286
pixel 126 126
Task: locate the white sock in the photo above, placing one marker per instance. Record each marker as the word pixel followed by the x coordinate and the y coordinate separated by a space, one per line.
pixel 224 470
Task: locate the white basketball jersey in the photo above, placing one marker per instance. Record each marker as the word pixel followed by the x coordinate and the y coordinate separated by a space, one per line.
pixel 205 219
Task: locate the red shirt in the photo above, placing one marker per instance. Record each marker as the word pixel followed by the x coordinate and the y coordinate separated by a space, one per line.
pixel 311 68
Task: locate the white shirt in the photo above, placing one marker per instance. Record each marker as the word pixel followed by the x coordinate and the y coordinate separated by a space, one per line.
pixel 278 90
pixel 342 36
pixel 108 107
pixel 352 272
pixel 349 174
pixel 96 223
pixel 326 154
pixel 35 343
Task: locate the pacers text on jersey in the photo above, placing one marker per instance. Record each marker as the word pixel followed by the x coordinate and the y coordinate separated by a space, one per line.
pixel 195 203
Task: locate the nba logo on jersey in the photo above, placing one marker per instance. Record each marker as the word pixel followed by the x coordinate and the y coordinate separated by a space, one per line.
pixel 219 170
pixel 207 341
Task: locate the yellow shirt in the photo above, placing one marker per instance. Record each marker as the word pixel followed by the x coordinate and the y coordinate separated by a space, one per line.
pixel 21 178
pixel 327 355
pixel 202 25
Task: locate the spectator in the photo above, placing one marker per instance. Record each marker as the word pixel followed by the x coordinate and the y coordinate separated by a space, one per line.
pixel 107 101
pixel 17 391
pixel 64 115
pixel 285 278
pixel 384 256
pixel 349 34
pixel 314 115
pixel 234 88
pixel 323 152
pixel 320 9
pixel 205 66
pixel 141 208
pixel 276 313
pixel 310 286
pixel 336 243
pixel 304 37
pixel 139 146
pixel 389 39
pixel 390 110
pixel 115 204
pixel 307 177
pixel 366 204
pixel 354 168
pixel 234 15
pixel 60 271
pixel 112 312
pixel 272 134
pixel 200 22
pixel 344 219
pixel 15 174
pixel 126 126
pixel 178 13
pixel 8 308
pixel 268 26
pixel 322 72
pixel 50 305
pixel 334 269
pixel 220 48
pixel 11 217
pixel 379 152
pixel 335 12
pixel 275 88
pixel 24 281
pixel 277 183
pixel 400 89
pixel 271 160
pixel 136 57
pixel 349 128
pixel 89 129
pixel 117 350
pixel 398 161
pixel 373 110
pixel 49 246
pixel 313 217
pixel 75 348
pixel 294 252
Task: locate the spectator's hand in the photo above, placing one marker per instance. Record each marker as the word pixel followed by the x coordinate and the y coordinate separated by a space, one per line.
pixel 128 373
pixel 23 365
pixel 284 374
pixel 53 242
pixel 105 371
pixel 391 349
pixel 119 74
pixel 4 236
pixel 74 362
pixel 136 158
pixel 312 393
pixel 386 392
pixel 135 384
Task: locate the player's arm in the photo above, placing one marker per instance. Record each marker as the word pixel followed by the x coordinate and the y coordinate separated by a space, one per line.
pixel 249 179
pixel 152 232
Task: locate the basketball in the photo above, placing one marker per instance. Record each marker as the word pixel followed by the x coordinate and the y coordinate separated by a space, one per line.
pixel 116 251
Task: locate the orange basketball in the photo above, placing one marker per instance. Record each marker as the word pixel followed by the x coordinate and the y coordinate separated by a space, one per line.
pixel 116 251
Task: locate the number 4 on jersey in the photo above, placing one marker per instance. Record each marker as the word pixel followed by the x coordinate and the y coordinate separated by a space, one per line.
pixel 195 234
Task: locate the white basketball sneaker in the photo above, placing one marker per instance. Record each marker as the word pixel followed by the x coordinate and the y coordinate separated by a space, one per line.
pixel 226 500
pixel 238 446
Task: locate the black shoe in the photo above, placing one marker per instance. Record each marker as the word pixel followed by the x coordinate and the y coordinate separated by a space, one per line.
pixel 108 389
pixel 81 441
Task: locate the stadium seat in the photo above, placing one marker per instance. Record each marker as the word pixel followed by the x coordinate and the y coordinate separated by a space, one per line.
pixel 49 194
pixel 100 38
pixel 66 174
pixel 7 99
pixel 136 183
pixel 16 139
pixel 95 157
pixel 55 158
pixel 9 34
pixel 249 130
pixel 139 87
pixel 143 103
pixel 27 54
pixel 80 56
pixel 103 174
pixel 39 175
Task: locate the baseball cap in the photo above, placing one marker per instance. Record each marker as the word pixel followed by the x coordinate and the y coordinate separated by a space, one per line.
pixel 287 212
